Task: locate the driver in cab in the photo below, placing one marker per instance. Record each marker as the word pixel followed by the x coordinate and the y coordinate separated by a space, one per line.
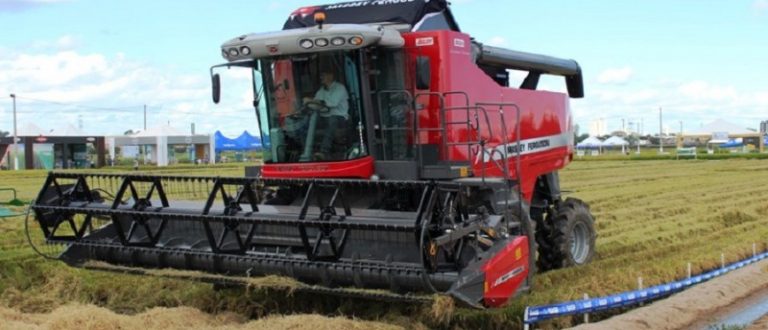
pixel 332 103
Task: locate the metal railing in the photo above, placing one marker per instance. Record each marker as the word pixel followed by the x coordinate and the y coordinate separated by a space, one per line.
pixel 474 116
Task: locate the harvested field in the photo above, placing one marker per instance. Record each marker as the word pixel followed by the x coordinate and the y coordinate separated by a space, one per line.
pixel 652 218
pixel 71 317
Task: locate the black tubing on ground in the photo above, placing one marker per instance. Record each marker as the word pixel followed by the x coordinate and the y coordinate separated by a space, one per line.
pixel 565 221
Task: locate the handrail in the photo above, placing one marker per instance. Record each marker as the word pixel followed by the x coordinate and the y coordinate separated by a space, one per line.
pixel 505 142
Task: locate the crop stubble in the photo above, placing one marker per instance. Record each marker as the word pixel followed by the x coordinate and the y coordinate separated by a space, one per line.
pixel 652 218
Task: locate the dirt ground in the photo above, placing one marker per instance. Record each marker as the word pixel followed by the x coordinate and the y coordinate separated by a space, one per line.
pixel 693 306
pixel 92 317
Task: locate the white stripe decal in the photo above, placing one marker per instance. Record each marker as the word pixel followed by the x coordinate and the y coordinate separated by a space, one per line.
pixel 527 146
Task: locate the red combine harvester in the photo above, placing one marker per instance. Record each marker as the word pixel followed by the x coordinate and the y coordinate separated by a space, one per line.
pixel 395 156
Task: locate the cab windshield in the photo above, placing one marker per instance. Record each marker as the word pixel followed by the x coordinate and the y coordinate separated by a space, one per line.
pixel 312 110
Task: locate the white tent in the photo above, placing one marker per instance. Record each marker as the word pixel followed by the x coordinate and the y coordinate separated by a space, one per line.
pixel 159 131
pixel 69 130
pixel 591 142
pixel 31 129
pixel 616 141
pixel 719 126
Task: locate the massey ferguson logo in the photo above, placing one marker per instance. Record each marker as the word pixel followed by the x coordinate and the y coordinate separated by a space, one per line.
pixel 368 3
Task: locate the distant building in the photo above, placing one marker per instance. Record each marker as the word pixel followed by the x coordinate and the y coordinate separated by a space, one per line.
pixel 598 128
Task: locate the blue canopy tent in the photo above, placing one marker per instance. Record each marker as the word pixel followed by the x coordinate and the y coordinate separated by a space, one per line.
pixel 733 143
pixel 224 143
pixel 241 144
pixel 246 141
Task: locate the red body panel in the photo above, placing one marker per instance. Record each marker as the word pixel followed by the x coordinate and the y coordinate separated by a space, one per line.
pixel 505 272
pixel 357 168
pixel 543 114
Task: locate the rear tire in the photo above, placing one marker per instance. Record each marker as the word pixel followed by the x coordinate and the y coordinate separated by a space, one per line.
pixel 570 240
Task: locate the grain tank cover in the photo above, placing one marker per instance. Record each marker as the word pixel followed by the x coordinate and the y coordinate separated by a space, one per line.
pixel 421 15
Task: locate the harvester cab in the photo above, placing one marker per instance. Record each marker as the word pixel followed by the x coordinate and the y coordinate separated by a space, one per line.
pixel 395 156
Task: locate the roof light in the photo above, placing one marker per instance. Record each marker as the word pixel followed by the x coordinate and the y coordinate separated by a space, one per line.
pixel 338 41
pixel 306 43
pixel 233 52
pixel 224 53
pixel 321 42
pixel 356 40
pixel 245 50
pixel 320 17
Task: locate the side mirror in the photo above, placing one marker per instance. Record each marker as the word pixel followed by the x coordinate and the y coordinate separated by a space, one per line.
pixel 216 84
pixel 423 72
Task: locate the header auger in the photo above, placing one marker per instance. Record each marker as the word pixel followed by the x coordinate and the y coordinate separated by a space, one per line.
pixel 395 157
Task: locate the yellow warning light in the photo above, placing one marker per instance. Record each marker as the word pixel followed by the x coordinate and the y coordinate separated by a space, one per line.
pixel 319 17
pixel 463 171
pixel 518 253
pixel 485 287
pixel 356 40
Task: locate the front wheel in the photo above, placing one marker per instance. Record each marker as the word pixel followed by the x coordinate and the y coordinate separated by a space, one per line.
pixel 571 236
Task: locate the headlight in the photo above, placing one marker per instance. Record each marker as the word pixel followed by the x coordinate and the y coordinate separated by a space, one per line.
pixel 224 53
pixel 245 50
pixel 233 52
pixel 356 40
pixel 321 42
pixel 338 41
pixel 306 43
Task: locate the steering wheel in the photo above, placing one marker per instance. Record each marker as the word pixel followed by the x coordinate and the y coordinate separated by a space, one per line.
pixel 314 105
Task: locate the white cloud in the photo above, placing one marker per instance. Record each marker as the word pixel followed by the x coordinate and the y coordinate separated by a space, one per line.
pixel 692 102
pixel 19 5
pixel 615 76
pixel 67 42
pixel 701 90
pixel 760 6
pixel 109 92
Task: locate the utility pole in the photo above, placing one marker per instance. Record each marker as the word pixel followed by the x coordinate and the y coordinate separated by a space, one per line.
pixel 15 137
pixel 623 126
pixel 661 133
pixel 145 117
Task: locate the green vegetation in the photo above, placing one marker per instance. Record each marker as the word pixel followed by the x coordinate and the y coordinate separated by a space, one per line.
pixel 652 218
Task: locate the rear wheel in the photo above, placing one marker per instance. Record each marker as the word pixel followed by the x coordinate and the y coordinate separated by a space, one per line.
pixel 569 236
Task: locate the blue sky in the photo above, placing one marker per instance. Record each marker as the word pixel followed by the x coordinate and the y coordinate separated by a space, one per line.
pixel 99 62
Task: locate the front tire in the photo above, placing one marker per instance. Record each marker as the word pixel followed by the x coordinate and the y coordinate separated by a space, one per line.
pixel 570 240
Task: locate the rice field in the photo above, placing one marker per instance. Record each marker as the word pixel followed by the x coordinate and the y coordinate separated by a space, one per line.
pixel 652 218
